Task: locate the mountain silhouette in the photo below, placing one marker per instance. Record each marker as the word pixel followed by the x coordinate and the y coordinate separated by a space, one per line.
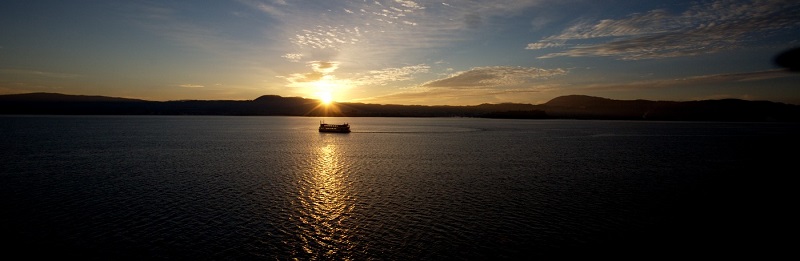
pixel 563 107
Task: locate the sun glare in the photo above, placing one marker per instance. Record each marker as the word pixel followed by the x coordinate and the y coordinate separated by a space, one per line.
pixel 324 91
pixel 325 98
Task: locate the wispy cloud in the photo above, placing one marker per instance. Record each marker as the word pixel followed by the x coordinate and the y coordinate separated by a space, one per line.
pixel 693 81
pixel 479 85
pixel 388 75
pixel 272 8
pixel 37 73
pixel 739 77
pixel 352 23
pixel 189 85
pixel 389 28
pixel 293 57
pixel 494 77
pixel 449 96
pixel 706 27
pixel 320 70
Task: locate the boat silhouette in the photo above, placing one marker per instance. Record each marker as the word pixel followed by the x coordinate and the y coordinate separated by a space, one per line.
pixel 340 128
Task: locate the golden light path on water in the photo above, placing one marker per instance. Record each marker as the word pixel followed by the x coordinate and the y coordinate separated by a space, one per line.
pixel 325 206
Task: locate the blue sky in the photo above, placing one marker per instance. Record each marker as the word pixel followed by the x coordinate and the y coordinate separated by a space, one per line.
pixel 400 52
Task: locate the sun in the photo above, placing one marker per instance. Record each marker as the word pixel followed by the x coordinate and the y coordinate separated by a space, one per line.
pixel 325 90
pixel 325 98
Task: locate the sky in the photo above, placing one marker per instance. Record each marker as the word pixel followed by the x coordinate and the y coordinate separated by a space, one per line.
pixel 411 52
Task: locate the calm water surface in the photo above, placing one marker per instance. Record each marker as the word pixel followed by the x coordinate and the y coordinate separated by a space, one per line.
pixel 273 188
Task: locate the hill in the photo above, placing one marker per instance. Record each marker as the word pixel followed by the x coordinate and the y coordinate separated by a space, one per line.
pixel 564 107
pixel 57 97
pixel 588 107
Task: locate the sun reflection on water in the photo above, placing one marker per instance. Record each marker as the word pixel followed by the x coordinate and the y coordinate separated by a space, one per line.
pixel 325 206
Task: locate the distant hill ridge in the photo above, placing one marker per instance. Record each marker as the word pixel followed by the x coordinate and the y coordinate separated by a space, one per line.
pixel 581 106
pixel 563 107
pixel 58 97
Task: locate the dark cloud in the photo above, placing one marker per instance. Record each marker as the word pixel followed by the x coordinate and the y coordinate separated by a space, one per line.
pixel 324 67
pixel 789 59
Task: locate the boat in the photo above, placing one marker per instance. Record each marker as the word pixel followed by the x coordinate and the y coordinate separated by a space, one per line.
pixel 341 128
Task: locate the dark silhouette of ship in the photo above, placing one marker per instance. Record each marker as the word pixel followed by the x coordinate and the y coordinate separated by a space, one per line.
pixel 340 128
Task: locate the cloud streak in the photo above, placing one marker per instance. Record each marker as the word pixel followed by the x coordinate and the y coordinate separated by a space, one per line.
pixel 37 73
pixel 389 75
pixel 189 85
pixel 494 77
pixel 692 81
pixel 707 27
pixel 478 85
pixel 272 8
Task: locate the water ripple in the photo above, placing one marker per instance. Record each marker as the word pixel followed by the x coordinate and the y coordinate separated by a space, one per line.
pixel 256 188
pixel 324 205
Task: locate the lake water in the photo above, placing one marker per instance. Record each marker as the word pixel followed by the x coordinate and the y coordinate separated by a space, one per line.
pixel 274 188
